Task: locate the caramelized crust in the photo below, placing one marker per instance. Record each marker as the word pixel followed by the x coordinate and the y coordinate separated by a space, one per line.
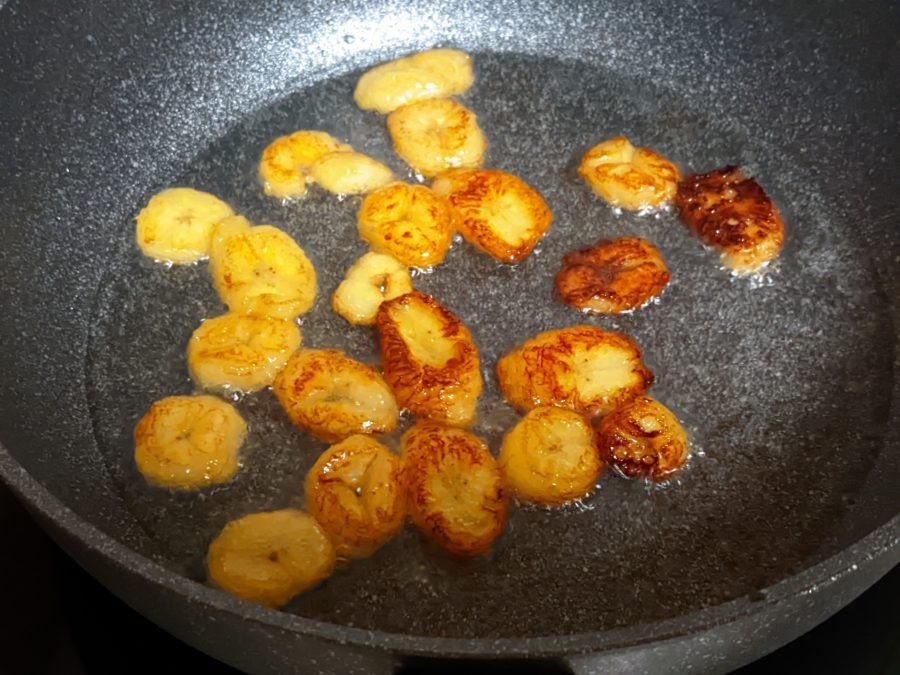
pixel 612 276
pixel 731 212
pixel 583 368
pixel 430 360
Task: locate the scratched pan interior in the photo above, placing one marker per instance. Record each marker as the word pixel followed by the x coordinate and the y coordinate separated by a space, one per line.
pixel 784 381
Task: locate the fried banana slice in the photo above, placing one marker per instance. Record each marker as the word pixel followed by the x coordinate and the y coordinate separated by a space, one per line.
pixel 549 457
pixel 189 442
pixel 408 221
pixel 437 134
pixel 495 211
pixel 333 397
pixel 371 280
pixel 732 213
pixel 349 173
pixel 628 177
pixel 612 276
pixel 355 491
pixel 235 352
pixel 454 488
pixel 583 368
pixel 643 438
pixel 270 557
pixel 262 272
pixel 436 73
pixel 177 224
pixel 429 359
pixel 285 163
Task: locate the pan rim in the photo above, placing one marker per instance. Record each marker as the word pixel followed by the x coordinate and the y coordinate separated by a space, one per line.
pixel 878 543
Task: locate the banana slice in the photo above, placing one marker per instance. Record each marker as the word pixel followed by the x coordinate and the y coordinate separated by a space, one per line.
pixel 176 225
pixel 454 490
pixel 643 438
pixel 332 396
pixel 240 353
pixel 270 557
pixel 372 279
pixel 409 222
pixel 731 212
pixel 429 359
pixel 262 272
pixel 628 177
pixel 584 368
pixel 189 442
pixel 437 73
pixel 495 211
pixel 437 134
pixel 286 161
pixel 612 276
pixel 355 492
pixel 549 457
pixel 349 173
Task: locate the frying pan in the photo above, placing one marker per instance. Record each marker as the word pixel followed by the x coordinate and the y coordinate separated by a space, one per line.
pixel 786 382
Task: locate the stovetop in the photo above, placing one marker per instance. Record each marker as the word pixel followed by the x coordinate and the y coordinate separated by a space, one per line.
pixel 56 620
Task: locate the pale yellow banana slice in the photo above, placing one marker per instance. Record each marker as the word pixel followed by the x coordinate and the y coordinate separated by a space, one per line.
pixel 643 438
pixel 261 271
pixel 355 492
pixel 410 222
pixel 270 557
pixel 628 177
pixel 429 359
pixel 236 352
pixel 436 73
pixel 437 134
pixel 333 397
pixel 189 442
pixel 372 279
pixel 286 161
pixel 496 211
pixel 454 488
pixel 177 224
pixel 349 173
pixel 549 457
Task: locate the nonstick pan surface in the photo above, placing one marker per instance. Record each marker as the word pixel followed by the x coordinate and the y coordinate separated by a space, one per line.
pixel 785 381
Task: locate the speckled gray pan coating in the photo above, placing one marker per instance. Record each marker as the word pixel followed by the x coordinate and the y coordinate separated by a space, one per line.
pixel 787 383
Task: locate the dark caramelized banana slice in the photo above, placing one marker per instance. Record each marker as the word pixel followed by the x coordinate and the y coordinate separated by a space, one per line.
pixel 612 276
pixel 732 213
pixel 642 438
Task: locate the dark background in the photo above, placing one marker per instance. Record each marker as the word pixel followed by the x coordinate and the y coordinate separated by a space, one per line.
pixel 56 620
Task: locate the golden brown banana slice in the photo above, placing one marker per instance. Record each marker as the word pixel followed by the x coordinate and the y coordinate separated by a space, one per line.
pixel 549 457
pixel 629 177
pixel 270 557
pixel 333 397
pixel 612 276
pixel 495 211
pixel 355 491
pixel 429 359
pixel 454 490
pixel 643 438
pixel 437 134
pixel 261 271
pixel 286 161
pixel 731 212
pixel 408 221
pixel 372 279
pixel 349 173
pixel 189 442
pixel 436 73
pixel 240 353
pixel 583 368
pixel 177 224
